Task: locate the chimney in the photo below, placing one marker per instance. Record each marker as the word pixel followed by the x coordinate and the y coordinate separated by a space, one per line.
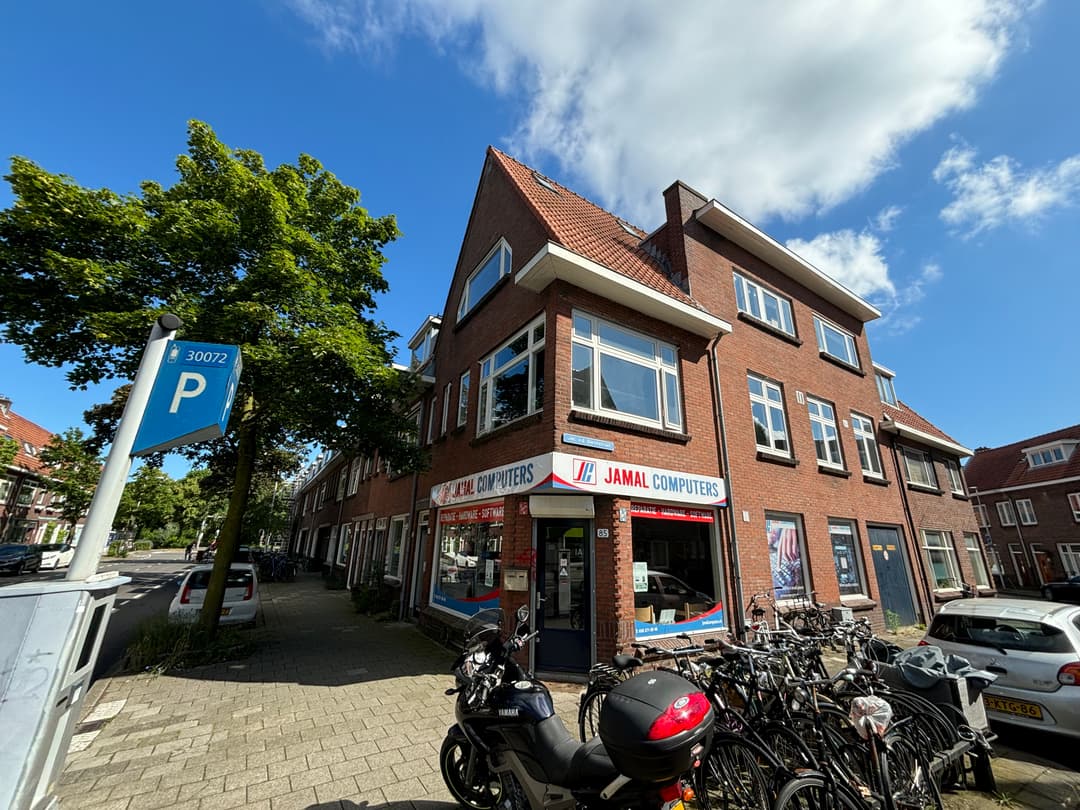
pixel 5 404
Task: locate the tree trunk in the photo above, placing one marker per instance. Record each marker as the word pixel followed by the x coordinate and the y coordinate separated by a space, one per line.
pixel 229 536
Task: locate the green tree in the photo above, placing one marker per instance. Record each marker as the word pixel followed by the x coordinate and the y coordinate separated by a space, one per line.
pixel 149 501
pixel 9 448
pixel 283 262
pixel 74 469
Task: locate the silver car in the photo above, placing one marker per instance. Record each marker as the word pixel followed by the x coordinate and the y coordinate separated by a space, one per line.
pixel 1034 649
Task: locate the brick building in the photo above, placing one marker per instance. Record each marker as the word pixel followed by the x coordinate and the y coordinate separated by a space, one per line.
pixel 1027 501
pixel 636 431
pixel 29 512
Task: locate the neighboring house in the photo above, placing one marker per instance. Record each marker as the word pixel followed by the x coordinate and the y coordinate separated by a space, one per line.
pixel 612 412
pixel 29 512
pixel 1027 500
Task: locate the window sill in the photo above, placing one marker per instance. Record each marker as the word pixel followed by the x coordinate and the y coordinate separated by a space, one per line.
pixel 765 326
pixel 947 594
pixel 873 479
pixel 844 364
pixel 509 427
pixel 827 470
pixel 928 490
pixel 586 418
pixel 859 602
pixel 393 582
pixel 961 496
pixel 772 458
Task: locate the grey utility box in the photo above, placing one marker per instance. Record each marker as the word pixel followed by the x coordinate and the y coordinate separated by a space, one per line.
pixel 50 634
pixel 841 614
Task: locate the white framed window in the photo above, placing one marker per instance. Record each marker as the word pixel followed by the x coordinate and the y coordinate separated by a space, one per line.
pixel 512 379
pixel 942 558
pixel 787 552
pixel 956 479
pixel 919 467
pixel 394 545
pixel 354 475
pixel 619 372
pixel 447 391
pixel 5 489
pixel 835 342
pixel 763 304
pixel 866 441
pixel 885 388
pixel 26 494
pixel 1046 454
pixel 494 266
pixel 978 565
pixel 1074 504
pixel 345 537
pixel 342 482
pixel 1026 512
pixel 463 400
pixel 846 558
pixel 425 347
pixel 433 423
pixel 981 517
pixel 1070 558
pixel 767 410
pixel 823 427
pixel 1005 513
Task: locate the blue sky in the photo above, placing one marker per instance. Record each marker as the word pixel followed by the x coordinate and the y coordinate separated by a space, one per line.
pixel 925 154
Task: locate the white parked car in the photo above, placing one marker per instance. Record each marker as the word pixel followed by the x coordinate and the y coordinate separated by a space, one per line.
pixel 56 555
pixel 241 604
pixel 1034 649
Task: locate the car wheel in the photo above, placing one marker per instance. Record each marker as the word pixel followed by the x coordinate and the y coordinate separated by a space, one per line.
pixel 18 569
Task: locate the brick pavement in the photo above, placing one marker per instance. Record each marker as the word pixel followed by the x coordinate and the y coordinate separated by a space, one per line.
pixel 332 711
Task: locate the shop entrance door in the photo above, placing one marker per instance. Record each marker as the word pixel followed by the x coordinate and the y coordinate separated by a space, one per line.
pixel 563 585
pixel 892 573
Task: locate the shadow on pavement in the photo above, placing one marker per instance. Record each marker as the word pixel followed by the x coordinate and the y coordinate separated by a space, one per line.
pixel 417 804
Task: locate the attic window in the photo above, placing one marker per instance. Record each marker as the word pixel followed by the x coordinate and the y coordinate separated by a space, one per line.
pixel 29 449
pixel 628 228
pixel 543 181
pixel 1047 454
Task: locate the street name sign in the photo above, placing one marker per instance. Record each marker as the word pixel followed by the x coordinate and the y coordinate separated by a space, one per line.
pixel 192 396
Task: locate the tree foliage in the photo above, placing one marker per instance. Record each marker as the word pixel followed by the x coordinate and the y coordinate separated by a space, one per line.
pixel 73 472
pixel 283 262
pixel 9 448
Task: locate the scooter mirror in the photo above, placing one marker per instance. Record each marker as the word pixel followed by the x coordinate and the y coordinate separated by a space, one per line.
pixel 523 614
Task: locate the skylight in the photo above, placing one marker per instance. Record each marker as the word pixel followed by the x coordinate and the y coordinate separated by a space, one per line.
pixel 628 228
pixel 539 178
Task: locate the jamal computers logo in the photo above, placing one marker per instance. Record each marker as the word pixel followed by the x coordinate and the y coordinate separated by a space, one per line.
pixel 584 471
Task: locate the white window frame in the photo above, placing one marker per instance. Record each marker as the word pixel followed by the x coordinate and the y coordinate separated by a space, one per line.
pixel 978 564
pixel 981 516
pixel 1006 514
pixel 354 475
pixel 5 488
pixel 1074 504
pixel 829 440
pixel 463 399
pixel 946 546
pixel 344 536
pixel 821 327
pixel 916 459
pixel 885 387
pixel 848 527
pixel 447 391
pixel 956 478
pixel 866 441
pixel 772 406
pixel 501 253
pixel 753 299
pixel 342 483
pixel 536 341
pixel 664 364
pixel 1026 512
pixel 1070 558
pixel 432 417
pixel 1048 454
pixel 396 571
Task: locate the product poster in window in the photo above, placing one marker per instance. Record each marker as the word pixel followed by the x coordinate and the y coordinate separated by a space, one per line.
pixel 785 558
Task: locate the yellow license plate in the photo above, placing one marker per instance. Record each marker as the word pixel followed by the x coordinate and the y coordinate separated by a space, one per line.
pixel 225 611
pixel 676 804
pixel 1018 707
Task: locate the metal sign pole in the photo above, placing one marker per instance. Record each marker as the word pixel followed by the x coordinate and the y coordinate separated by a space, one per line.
pixel 113 477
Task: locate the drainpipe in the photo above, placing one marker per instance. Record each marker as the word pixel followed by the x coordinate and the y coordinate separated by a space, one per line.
pixel 901 485
pixel 407 581
pixel 725 470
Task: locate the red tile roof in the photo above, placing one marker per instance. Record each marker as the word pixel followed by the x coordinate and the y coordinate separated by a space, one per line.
pixel 588 230
pixel 25 433
pixel 904 414
pixel 1007 466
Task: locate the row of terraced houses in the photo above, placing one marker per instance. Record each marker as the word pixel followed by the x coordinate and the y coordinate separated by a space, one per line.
pixel 635 432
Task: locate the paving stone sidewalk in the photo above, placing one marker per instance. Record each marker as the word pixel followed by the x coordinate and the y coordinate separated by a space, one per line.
pixel 333 711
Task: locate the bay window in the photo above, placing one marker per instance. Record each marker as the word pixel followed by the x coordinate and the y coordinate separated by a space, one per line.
pixel 622 373
pixel 512 379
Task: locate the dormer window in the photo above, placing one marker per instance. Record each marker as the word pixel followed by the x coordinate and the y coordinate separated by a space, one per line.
pixel 1047 454
pixel 423 342
pixel 886 390
pixel 29 449
pixel 484 278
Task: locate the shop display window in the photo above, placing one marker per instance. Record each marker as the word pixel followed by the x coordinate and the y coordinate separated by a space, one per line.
pixel 675 571
pixel 786 554
pixel 468 567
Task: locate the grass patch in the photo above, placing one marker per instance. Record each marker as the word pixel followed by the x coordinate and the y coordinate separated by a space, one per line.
pixel 161 646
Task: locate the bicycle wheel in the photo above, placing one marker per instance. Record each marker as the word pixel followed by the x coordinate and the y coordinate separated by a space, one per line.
pixel 788 746
pixel 731 776
pixel 817 793
pixel 588 718
pixel 911 783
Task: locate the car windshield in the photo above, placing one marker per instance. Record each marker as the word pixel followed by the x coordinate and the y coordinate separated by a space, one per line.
pixel 1002 633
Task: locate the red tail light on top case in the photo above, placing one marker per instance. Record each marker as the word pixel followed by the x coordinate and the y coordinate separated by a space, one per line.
pixel 684 714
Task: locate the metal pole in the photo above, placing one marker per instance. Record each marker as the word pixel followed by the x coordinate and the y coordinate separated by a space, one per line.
pixel 114 476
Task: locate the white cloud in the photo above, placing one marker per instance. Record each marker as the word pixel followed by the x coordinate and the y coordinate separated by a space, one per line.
pixel 885 221
pixel 853 259
pixel 1000 191
pixel 775 108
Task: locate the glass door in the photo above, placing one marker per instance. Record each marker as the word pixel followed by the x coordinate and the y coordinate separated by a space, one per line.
pixel 564 587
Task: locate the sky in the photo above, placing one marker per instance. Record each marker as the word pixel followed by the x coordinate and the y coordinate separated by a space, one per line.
pixel 924 154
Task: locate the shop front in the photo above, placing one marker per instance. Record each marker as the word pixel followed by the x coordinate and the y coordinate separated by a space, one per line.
pixel 603 552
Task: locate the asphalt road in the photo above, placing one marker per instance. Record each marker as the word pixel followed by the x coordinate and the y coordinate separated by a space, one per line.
pixel 155 577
